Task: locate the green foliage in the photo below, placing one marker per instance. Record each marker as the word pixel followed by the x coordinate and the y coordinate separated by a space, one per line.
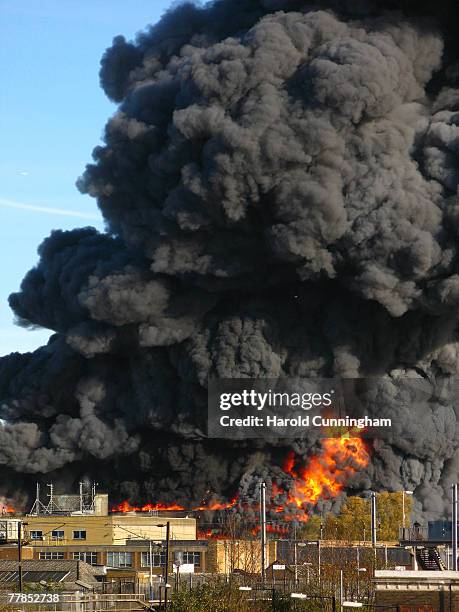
pixel 215 596
pixel 311 529
pixel 354 523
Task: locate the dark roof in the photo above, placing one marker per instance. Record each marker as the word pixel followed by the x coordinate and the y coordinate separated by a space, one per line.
pixel 63 569
pixel 33 576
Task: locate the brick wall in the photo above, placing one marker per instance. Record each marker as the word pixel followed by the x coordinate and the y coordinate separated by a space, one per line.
pixel 420 601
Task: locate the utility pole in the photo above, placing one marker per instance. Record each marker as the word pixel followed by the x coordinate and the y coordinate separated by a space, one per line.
pixel 295 556
pixel 358 572
pixel 403 511
pixel 150 555
pixel 373 524
pixel 20 555
pixel 341 590
pixel 166 572
pixel 454 525
pixel 263 530
pixel 81 497
pixel 373 519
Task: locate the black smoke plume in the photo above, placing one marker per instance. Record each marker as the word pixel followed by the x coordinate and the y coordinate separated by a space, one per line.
pixel 279 186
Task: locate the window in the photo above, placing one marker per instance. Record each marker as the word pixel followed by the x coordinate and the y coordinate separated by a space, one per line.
pixel 158 559
pixel 192 557
pixel 48 556
pixel 87 557
pixel 79 535
pixel 119 559
pixel 57 534
pixel 36 535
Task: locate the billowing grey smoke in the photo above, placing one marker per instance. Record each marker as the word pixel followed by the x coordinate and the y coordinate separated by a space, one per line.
pixel 279 185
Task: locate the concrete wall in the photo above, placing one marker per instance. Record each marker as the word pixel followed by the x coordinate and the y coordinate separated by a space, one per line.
pixel 437 591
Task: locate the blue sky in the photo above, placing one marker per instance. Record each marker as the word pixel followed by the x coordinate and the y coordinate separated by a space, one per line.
pixel 52 115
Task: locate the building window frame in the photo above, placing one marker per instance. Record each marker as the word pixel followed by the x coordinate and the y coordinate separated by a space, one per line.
pixel 192 557
pixel 158 558
pixel 51 555
pixel 57 534
pixel 89 557
pixel 36 534
pixel 79 534
pixel 119 559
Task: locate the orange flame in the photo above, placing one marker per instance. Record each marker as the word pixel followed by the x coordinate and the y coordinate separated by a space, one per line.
pixel 218 506
pixel 279 529
pixel 6 507
pixel 125 506
pixel 323 477
pixel 326 474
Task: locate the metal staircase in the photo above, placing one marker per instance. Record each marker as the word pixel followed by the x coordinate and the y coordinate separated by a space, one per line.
pixel 429 559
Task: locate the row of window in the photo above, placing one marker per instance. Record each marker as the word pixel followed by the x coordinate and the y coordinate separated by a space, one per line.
pixel 159 559
pixel 58 534
pixel 88 557
pixel 123 559
pixel 48 556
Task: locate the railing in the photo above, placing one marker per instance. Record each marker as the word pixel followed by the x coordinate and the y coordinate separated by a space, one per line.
pixel 74 602
pixel 50 541
pixel 413 534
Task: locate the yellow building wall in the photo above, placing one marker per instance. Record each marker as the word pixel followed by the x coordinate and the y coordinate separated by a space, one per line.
pixel 127 527
pixel 108 530
pixel 11 552
pixel 225 556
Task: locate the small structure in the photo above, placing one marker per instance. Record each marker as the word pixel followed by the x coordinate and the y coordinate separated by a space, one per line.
pixel 412 591
pixel 8 530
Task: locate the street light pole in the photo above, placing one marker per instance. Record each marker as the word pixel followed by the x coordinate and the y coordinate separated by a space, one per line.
pixel 403 507
pixel 150 557
pixel 403 511
pixel 166 573
pixel 318 547
pixel 341 590
pixel 373 519
pixel 454 525
pixel 263 530
pixel 20 555
pixel 295 556
pixel 166 566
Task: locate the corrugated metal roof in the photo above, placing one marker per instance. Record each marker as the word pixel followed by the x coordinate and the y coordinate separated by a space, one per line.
pixel 33 576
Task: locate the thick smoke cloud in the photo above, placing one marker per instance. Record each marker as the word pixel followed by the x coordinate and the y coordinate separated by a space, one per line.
pixel 279 185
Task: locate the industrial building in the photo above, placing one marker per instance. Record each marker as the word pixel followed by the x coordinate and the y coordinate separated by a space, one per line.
pixel 80 527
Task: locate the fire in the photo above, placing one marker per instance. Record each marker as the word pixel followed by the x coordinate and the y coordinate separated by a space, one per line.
pixel 6 506
pixel 324 476
pixel 125 506
pixel 218 506
pixel 212 534
pixel 278 529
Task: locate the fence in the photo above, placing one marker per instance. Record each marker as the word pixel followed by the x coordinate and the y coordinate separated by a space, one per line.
pixel 71 602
